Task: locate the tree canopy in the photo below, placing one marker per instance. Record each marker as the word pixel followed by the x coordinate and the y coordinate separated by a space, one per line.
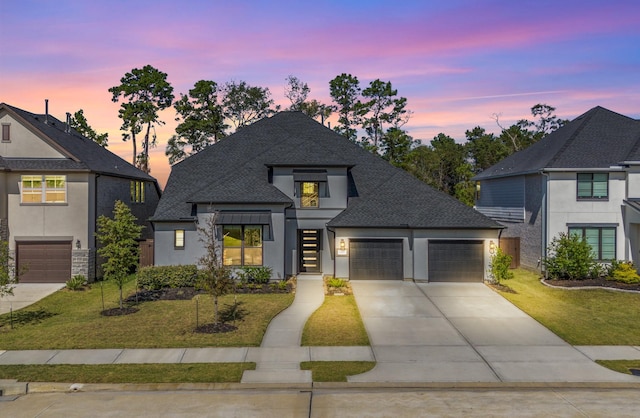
pixel 79 123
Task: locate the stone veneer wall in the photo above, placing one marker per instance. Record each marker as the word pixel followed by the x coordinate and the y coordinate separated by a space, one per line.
pixel 83 262
pixel 4 229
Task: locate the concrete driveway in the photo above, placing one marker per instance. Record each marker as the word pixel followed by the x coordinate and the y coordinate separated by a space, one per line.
pixel 25 294
pixel 463 332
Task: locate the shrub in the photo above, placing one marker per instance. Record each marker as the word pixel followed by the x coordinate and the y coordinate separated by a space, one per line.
pixel 336 282
pixel 623 271
pixel 77 282
pixel 159 277
pixel 569 257
pixel 500 264
pixel 257 274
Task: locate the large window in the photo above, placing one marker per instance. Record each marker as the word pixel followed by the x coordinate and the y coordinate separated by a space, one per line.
pixel 137 191
pixel 601 239
pixel 43 189
pixel 593 185
pixel 309 194
pixel 242 245
pixel 178 239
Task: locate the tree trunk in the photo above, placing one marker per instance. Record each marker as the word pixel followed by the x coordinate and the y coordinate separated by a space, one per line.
pixel 215 305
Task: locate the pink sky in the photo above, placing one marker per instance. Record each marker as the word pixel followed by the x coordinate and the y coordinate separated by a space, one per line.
pixel 457 62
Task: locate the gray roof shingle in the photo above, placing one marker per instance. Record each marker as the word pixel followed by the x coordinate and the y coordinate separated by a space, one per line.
pixel 82 153
pixel 596 139
pixel 236 170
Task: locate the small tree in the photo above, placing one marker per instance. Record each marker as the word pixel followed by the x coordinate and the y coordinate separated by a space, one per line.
pixel 214 277
pixel 500 263
pixel 569 257
pixel 119 247
pixel 7 279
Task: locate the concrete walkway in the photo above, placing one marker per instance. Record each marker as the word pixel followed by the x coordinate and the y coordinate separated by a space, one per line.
pixel 25 294
pixel 459 332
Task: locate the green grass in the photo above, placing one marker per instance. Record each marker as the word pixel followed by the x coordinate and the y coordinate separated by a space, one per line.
pixel 336 371
pixel 128 373
pixel 580 317
pixel 621 366
pixel 67 320
pixel 336 323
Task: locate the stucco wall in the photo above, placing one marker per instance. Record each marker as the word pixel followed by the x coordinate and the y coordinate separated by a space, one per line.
pixel 24 143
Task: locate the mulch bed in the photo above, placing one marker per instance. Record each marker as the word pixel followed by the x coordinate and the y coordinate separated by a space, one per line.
pixel 179 293
pixel 215 328
pixel 599 282
pixel 127 310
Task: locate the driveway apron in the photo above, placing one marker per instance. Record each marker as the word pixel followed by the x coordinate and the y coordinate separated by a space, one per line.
pixel 463 332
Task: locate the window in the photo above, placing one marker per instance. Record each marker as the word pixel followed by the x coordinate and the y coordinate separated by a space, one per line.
pixel 6 132
pixel 137 191
pixel 309 194
pixel 477 190
pixel 601 239
pixel 593 185
pixel 178 239
pixel 242 245
pixel 43 189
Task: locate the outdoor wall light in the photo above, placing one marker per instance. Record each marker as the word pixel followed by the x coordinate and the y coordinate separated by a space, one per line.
pixel 492 247
pixel 342 245
pixel 78 244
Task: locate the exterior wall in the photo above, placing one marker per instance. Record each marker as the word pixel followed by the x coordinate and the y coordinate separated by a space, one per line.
pixel 529 231
pixel 564 208
pixel 503 198
pixel 337 186
pixel 28 146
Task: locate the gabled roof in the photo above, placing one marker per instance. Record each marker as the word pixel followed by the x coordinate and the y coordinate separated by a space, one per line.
pixel 82 154
pixel 598 139
pixel 235 170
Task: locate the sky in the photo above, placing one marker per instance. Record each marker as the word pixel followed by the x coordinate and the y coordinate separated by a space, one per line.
pixel 458 62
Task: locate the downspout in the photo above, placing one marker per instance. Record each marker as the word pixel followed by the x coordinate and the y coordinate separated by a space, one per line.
pixel 333 248
pixel 545 211
pixel 95 222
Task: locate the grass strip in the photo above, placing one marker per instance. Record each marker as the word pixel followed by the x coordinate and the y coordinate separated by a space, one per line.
pixel 336 371
pixel 336 323
pixel 580 317
pixel 621 366
pixel 128 373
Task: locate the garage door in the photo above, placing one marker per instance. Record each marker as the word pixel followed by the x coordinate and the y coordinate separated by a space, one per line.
pixel 375 259
pixel 456 261
pixel 44 262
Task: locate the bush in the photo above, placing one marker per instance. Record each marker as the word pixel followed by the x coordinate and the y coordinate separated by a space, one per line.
pixel 500 264
pixel 77 282
pixel 623 271
pixel 569 257
pixel 336 282
pixel 257 274
pixel 159 277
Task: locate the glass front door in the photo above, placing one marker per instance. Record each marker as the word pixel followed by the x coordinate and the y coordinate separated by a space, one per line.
pixel 309 250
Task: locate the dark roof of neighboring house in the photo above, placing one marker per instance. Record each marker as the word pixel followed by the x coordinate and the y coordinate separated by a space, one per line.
pixel 82 154
pixel 597 139
pixel 235 170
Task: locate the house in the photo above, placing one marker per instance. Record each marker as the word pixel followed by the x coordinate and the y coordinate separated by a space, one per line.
pixel 293 195
pixel 583 179
pixel 54 184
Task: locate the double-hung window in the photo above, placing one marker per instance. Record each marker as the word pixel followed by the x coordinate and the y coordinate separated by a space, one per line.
pixel 242 245
pixel 593 186
pixel 601 239
pixel 47 189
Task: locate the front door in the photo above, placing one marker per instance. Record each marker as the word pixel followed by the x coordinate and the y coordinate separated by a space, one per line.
pixel 309 250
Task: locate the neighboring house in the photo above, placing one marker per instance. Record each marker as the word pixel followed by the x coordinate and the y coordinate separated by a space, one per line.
pixel 295 196
pixel 584 179
pixel 54 184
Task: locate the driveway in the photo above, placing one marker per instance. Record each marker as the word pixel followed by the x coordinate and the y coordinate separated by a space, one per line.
pixel 25 294
pixel 463 332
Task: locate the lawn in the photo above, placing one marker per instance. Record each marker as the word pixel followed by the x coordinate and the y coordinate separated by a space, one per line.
pixel 69 319
pixel 336 323
pixel 336 371
pixel 128 373
pixel 580 317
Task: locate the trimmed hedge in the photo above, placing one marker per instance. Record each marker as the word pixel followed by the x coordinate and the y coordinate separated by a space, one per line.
pixel 159 277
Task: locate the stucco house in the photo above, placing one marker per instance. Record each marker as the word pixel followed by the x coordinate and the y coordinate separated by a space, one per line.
pixel 54 184
pixel 291 194
pixel 583 179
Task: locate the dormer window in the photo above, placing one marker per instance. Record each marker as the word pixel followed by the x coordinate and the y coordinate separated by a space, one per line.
pixel 309 194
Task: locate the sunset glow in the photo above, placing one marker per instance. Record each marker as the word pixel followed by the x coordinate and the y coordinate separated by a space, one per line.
pixel 458 62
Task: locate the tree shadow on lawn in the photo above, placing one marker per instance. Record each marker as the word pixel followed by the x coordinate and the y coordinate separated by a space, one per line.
pixel 229 313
